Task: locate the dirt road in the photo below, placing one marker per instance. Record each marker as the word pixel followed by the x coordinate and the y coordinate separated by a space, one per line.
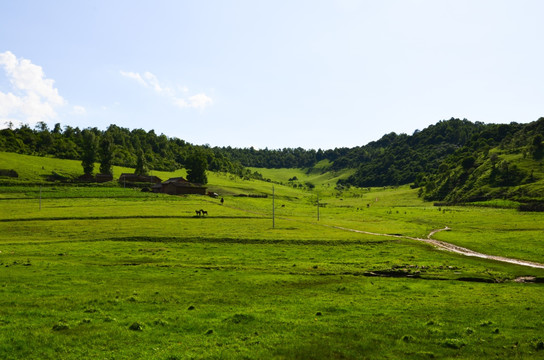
pixel 437 243
pixel 453 248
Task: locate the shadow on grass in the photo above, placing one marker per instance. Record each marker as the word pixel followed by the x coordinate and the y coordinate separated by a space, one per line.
pixel 67 218
pixel 247 241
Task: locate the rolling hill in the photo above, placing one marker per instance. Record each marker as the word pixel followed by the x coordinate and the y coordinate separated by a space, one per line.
pixel 454 161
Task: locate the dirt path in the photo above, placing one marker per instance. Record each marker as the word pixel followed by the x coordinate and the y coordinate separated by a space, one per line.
pixel 452 248
pixel 437 243
pixel 468 252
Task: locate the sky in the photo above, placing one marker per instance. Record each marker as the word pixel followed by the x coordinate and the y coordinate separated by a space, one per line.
pixel 270 73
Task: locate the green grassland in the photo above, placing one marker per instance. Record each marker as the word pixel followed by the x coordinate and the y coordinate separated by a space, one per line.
pixel 34 169
pixel 317 175
pixel 112 272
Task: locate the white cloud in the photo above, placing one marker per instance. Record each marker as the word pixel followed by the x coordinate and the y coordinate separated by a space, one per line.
pixel 33 97
pixel 181 103
pixel 149 80
pixel 199 101
pixel 153 82
pixel 134 76
pixel 79 110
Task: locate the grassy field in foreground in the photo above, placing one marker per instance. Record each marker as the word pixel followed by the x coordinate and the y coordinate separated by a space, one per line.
pixel 113 273
pixel 174 300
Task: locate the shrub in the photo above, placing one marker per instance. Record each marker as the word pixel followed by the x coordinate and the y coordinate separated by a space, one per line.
pixel 60 326
pixel 453 343
pixel 136 326
pixel 408 338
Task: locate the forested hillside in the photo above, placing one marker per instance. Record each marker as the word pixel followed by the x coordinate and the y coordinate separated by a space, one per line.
pixel 123 145
pixel 453 160
pixel 398 159
pixel 401 159
pixel 504 162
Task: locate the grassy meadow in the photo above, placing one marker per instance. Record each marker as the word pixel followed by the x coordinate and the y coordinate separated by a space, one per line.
pixel 114 273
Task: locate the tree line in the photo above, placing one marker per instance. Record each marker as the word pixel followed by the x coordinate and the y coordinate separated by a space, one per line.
pixel 440 159
pixel 139 149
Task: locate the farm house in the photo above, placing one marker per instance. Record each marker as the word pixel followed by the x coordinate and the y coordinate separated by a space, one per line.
pixel 179 186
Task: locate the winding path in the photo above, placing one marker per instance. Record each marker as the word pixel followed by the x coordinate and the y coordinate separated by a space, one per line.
pixel 437 243
pixel 451 247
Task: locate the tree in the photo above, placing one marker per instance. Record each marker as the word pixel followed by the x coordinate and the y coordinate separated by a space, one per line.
pixel 196 168
pixel 468 163
pixel 41 126
pixel 538 148
pixel 106 155
pixel 89 152
pixel 57 129
pixel 141 164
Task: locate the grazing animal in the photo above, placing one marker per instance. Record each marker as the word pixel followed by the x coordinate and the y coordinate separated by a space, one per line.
pixel 201 212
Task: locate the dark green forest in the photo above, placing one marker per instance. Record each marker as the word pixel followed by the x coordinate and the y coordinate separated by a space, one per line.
pixel 140 149
pixel 453 160
pixel 500 162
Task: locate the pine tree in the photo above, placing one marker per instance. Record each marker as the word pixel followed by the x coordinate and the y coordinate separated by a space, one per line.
pixel 89 152
pixel 196 168
pixel 141 164
pixel 106 155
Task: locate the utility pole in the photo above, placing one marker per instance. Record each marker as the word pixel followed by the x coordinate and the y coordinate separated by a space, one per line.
pixel 317 207
pixel 273 209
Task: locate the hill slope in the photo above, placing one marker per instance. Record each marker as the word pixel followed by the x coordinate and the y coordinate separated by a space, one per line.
pixel 511 170
pixel 454 160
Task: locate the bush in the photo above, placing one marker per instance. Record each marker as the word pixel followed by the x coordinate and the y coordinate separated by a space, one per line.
pixel 533 206
pixel 453 343
pixel 136 326
pixel 61 326
pixel 8 173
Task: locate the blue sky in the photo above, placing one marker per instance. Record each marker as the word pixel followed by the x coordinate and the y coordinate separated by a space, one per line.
pixel 314 74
